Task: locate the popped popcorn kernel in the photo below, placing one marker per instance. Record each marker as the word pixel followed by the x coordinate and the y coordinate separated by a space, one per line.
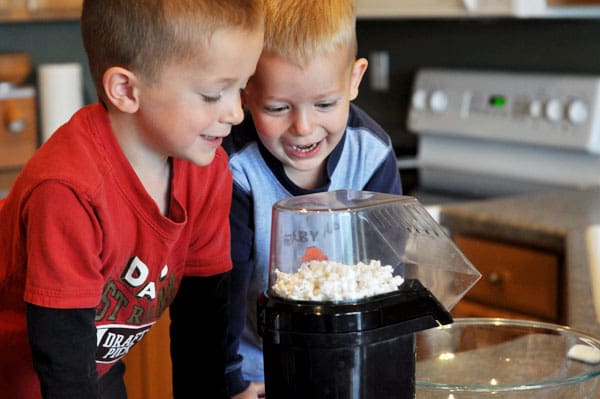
pixel 332 281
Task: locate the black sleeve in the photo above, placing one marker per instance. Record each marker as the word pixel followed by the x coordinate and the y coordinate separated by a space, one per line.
pixel 199 317
pixel 242 234
pixel 63 345
pixel 386 178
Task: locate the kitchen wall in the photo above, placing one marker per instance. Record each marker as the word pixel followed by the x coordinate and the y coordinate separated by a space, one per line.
pixel 547 45
pixel 47 42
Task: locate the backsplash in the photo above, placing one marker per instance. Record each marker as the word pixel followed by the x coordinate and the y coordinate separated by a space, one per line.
pixel 47 42
pixel 540 45
pixel 552 45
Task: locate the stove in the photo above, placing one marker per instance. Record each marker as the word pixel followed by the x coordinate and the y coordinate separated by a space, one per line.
pixel 493 133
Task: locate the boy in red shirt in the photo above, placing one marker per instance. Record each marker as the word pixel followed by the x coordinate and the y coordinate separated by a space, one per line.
pixel 123 212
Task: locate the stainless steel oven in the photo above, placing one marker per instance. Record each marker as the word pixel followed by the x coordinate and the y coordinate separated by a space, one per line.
pixel 491 133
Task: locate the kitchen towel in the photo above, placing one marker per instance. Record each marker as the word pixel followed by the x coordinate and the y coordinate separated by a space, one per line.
pixel 60 95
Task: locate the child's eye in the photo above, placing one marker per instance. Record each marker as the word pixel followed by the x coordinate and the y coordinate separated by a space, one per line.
pixel 275 109
pixel 326 105
pixel 211 99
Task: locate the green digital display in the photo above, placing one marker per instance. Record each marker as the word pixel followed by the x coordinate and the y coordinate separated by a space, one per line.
pixel 497 101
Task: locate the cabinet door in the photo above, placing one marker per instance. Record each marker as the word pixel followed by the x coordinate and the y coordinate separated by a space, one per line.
pixel 467 308
pixel 573 2
pixel 39 10
pixel 18 132
pixel 54 5
pixel 514 279
pixel 4 7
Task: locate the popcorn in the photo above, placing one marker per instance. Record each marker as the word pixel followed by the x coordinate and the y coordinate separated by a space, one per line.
pixel 333 281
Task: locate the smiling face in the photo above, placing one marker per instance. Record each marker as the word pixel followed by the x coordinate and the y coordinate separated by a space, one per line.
pixel 188 110
pixel 301 113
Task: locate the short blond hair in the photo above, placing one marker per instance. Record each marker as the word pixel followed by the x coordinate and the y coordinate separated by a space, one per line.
pixel 144 35
pixel 300 30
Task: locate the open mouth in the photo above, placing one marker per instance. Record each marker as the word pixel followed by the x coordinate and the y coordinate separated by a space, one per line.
pixel 305 148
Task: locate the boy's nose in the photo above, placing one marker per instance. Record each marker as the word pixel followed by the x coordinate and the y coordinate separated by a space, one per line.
pixel 302 125
pixel 234 114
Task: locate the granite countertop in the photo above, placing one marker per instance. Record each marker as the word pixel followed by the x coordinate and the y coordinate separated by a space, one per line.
pixel 555 221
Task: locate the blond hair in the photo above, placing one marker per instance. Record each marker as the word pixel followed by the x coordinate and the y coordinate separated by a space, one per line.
pixel 300 30
pixel 143 35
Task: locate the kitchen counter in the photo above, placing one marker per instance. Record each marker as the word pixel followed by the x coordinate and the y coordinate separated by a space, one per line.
pixel 555 221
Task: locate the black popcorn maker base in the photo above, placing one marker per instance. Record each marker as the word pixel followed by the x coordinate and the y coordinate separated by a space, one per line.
pixel 359 350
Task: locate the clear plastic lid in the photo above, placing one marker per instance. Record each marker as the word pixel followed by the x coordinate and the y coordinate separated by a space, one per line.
pixel 347 245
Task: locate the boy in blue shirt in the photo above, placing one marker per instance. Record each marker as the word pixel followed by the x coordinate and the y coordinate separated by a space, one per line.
pixel 303 136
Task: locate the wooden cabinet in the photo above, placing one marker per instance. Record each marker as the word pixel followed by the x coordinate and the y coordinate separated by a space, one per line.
pixel 49 6
pixel 554 3
pixel 517 281
pixel 39 10
pixel 18 134
pixel 148 364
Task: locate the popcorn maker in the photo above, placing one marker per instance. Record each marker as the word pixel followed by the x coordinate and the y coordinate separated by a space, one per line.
pixel 353 276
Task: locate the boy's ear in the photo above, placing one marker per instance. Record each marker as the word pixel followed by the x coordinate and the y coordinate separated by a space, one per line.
pixel 359 67
pixel 120 87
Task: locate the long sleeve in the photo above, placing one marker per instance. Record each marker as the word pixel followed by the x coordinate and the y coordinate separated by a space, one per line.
pixel 386 178
pixel 243 265
pixel 199 317
pixel 63 346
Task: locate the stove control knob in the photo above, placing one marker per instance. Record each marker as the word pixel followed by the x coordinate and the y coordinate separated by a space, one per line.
pixel 419 99
pixel 438 101
pixel 553 110
pixel 577 112
pixel 535 109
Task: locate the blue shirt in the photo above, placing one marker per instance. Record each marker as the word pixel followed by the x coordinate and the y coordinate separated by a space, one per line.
pixel 363 160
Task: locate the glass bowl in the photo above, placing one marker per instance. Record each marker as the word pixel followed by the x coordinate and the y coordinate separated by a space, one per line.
pixel 502 358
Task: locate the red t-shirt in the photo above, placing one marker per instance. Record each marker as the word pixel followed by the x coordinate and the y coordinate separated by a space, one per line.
pixel 78 230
